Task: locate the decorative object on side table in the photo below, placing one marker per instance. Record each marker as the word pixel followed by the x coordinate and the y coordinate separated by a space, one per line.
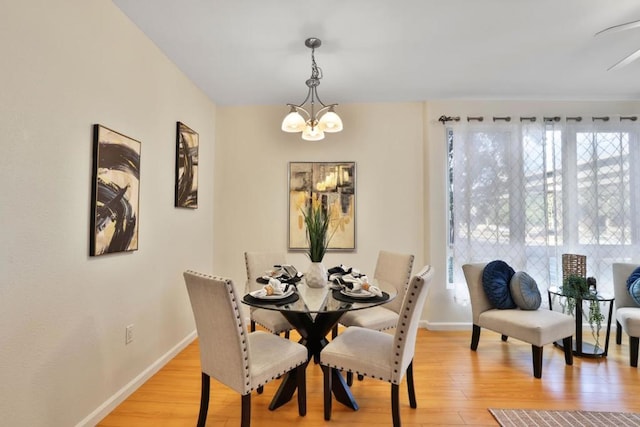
pixel 575 288
pixel 317 222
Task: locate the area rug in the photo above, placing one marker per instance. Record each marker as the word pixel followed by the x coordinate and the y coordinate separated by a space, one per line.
pixel 532 418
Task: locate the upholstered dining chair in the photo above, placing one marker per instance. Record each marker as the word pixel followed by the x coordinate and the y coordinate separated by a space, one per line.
pixel 627 311
pixel 380 355
pixel 257 263
pixel 241 360
pixel 391 269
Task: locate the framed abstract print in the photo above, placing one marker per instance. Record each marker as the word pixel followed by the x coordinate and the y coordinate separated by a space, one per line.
pixel 333 184
pixel 115 192
pixel 186 167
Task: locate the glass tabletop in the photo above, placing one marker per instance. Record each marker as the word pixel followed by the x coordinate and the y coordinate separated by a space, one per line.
pixel 322 300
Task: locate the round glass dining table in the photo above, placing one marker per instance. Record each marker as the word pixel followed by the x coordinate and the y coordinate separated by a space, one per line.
pixel 313 312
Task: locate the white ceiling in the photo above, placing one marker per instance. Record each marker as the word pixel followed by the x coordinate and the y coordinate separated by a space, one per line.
pixel 251 52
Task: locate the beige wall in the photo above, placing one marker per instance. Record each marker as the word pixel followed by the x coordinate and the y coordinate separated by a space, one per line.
pixel 67 65
pixel 251 193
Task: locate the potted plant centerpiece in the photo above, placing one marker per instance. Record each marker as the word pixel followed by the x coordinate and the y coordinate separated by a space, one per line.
pixel 317 222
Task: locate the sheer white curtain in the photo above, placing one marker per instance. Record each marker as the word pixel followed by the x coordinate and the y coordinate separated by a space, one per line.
pixel 527 192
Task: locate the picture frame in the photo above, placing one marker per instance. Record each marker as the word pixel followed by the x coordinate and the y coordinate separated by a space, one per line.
pixel 187 145
pixel 334 185
pixel 115 192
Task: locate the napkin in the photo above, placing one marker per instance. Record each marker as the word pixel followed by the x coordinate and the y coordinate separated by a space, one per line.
pixel 341 271
pixel 274 287
pixel 362 284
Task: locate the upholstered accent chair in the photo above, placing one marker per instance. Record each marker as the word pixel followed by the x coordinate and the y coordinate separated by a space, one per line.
pixel 257 263
pixel 243 361
pixel 536 327
pixel 377 354
pixel 627 311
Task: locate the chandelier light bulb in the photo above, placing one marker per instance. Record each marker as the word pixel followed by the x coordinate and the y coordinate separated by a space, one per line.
pixel 331 122
pixel 293 122
pixel 312 133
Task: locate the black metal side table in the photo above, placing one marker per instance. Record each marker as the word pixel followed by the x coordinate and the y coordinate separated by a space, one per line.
pixel 580 348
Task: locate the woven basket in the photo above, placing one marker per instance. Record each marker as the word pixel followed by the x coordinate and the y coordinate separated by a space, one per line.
pixel 575 265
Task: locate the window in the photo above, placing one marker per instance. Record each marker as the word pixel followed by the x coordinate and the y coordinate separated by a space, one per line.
pixel 528 192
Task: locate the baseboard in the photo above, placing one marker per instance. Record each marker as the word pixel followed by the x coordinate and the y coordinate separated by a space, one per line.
pixel 445 326
pixel 110 404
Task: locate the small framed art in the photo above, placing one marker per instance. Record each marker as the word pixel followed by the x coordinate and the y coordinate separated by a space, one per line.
pixel 186 167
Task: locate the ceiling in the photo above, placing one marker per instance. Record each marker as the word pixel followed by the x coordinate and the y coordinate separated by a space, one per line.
pixel 252 52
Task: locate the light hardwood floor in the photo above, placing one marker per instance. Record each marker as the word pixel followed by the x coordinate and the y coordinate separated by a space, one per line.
pixel 454 386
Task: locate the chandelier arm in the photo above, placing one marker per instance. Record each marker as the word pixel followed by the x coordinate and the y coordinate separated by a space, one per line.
pixel 299 109
pixel 320 101
pixel 324 109
pixel 305 99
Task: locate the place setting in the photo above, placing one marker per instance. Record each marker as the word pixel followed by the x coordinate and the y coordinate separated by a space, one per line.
pixel 350 285
pixel 279 286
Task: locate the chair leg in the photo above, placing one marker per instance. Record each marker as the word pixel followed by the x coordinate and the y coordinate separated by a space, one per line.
pixel 475 337
pixel 618 333
pixel 253 326
pixel 567 344
pixel 286 334
pixel 326 371
pixel 395 404
pixel 246 410
pixel 334 331
pixel 410 387
pixel 301 377
pixel 350 378
pixel 204 400
pixel 505 337
pixel 536 354
pixel 633 351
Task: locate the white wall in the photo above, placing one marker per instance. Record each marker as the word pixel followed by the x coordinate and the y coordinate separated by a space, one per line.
pixel 251 188
pixel 67 65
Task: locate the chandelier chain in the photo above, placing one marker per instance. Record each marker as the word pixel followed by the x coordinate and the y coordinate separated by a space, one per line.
pixel 316 72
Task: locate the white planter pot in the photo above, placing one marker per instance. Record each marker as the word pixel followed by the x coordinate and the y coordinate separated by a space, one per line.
pixel 316 275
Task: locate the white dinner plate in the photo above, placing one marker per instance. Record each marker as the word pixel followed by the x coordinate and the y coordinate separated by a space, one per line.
pixel 360 294
pixel 276 297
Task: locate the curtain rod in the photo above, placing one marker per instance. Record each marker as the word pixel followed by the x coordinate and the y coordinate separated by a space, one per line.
pixel 444 119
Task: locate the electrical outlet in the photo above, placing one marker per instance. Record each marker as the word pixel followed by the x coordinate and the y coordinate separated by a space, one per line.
pixel 129 334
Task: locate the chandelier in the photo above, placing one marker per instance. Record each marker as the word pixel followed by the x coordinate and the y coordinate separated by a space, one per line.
pixel 313 124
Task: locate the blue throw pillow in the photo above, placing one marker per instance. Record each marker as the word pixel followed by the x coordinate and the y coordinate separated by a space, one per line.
pixel 633 277
pixel 633 285
pixel 495 282
pixel 525 292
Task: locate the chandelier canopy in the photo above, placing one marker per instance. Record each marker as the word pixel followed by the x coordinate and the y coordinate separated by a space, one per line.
pixel 313 124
